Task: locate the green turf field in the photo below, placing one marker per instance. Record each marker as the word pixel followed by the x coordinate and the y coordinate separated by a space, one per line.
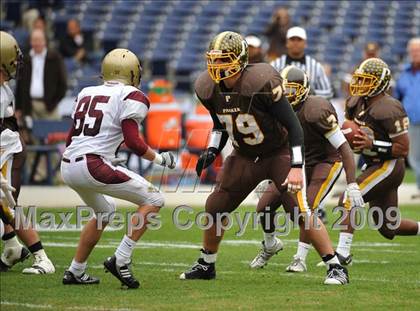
pixel 386 275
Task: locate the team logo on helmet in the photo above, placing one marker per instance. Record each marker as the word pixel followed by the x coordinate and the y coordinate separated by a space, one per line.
pixel 371 78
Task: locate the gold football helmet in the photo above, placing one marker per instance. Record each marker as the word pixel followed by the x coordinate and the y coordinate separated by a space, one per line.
pixel 121 65
pixel 371 78
pixel 295 84
pixel 10 55
pixel 227 55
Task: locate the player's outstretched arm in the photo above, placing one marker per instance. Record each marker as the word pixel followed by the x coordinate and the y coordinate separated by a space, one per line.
pixel 284 113
pixel 140 148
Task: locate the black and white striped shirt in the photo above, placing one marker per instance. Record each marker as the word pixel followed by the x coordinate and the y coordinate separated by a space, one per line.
pixel 317 77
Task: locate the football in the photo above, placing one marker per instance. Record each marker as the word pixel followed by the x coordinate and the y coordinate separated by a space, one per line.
pixel 349 129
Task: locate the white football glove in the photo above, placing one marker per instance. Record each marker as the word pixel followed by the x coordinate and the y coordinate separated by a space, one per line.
pixel 354 195
pixel 165 159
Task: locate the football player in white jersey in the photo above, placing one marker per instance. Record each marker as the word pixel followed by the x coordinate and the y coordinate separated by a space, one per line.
pixel 12 158
pixel 104 117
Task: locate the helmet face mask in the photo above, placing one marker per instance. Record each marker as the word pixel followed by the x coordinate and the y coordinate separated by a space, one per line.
pixel 227 56
pixel 371 78
pixel 295 85
pixel 123 66
pixel 11 56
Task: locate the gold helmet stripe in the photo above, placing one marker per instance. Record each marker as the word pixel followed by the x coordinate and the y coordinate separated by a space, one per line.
pixel 219 40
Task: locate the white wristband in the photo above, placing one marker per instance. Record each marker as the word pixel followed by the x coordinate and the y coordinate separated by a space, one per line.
pixel 215 139
pixel 158 159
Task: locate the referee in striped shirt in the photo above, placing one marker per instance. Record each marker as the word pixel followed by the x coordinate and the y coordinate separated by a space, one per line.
pixel 295 44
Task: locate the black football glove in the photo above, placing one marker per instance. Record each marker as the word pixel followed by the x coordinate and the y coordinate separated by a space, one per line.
pixel 207 157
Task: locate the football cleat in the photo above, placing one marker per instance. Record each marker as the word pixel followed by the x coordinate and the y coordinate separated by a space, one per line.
pixel 201 270
pixel 337 275
pixel 297 265
pixel 41 265
pixel 11 256
pixel 265 254
pixel 122 273
pixel 345 261
pixel 85 279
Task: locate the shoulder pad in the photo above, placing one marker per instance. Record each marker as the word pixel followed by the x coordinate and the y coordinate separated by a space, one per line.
pixel 204 86
pixel 256 76
pixel 387 108
pixel 317 107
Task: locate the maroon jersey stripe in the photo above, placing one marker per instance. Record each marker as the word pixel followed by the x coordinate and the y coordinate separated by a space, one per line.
pixel 103 173
pixel 138 96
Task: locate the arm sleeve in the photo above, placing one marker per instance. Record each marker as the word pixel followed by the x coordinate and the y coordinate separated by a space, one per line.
pixel 284 113
pixel 131 137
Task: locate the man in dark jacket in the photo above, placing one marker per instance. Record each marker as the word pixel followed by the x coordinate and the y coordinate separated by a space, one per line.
pixel 42 83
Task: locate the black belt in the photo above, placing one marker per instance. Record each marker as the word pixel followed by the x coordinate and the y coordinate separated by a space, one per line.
pixel 76 160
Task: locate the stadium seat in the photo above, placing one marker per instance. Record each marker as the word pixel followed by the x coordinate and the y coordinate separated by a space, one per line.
pixel 42 130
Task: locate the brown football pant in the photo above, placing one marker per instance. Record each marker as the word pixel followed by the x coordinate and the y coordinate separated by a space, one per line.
pixel 379 186
pixel 319 179
pixel 240 175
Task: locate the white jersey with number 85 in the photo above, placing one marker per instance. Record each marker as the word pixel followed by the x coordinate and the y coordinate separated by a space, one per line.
pixel 97 116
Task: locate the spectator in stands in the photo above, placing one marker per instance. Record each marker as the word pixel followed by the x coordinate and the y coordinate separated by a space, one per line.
pixel 73 44
pixel 371 49
pixel 296 43
pixel 408 91
pixel 43 80
pixel 276 33
pixel 255 49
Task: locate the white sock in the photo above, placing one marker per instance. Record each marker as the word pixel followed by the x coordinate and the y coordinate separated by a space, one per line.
pixel 209 258
pixel 40 253
pixel 77 268
pixel 269 239
pixel 303 250
pixel 418 228
pixel 124 251
pixel 13 242
pixel 344 244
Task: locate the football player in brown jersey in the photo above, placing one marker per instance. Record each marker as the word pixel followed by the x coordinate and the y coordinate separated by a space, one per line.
pixel 383 142
pixel 247 106
pixel 326 152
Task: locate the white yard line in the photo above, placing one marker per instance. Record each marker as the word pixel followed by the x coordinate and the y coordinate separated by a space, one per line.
pixel 111 243
pixel 36 306
pixel 140 263
pixel 26 305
